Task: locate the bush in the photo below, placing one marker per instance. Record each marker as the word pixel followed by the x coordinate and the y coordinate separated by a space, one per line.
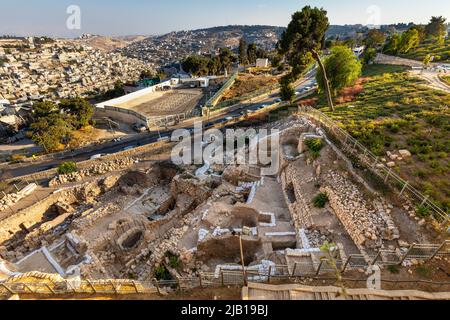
pixel 320 200
pixel 67 167
pixel 315 145
pixel 423 211
pixel 161 273
pixel 393 269
pixel 174 260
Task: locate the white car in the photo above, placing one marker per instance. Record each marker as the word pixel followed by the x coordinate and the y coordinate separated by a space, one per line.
pixel 96 156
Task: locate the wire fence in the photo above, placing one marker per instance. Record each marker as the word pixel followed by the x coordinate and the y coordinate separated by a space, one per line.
pixel 292 272
pixel 364 156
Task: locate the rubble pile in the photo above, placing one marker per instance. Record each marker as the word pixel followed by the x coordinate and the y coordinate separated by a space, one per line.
pixel 364 224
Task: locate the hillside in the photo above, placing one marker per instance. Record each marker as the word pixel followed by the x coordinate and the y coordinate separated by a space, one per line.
pixel 109 44
pixel 391 111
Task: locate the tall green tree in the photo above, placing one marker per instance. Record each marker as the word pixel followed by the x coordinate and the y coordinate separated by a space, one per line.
pixel 409 40
pixel 227 58
pixel 436 27
pixel 374 38
pixel 44 108
pixel 252 53
pixel 243 60
pixel 304 38
pixel 196 65
pixel 393 44
pixel 287 91
pixel 52 131
pixel 342 67
pixel 81 111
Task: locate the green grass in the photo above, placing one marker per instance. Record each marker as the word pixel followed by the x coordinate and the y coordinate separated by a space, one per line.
pixel 396 111
pixel 430 47
pixel 380 69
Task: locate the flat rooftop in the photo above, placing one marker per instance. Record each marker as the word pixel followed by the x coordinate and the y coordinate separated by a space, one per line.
pixel 164 103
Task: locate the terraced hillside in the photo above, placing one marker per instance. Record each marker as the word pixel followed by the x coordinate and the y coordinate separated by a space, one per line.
pixel 395 111
pixel 441 52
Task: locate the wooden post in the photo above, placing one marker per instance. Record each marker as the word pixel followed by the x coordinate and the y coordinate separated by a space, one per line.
pixel 50 288
pixel 319 267
pixel 404 187
pixel 135 286
pixel 437 251
pixel 406 254
pixel 270 272
pixel 157 285
pixel 7 288
pixel 346 263
pixel 242 260
pixel 92 286
pixel 293 270
pixel 388 174
pixel 376 258
pixel 200 280
pixel 113 285
pixel 222 278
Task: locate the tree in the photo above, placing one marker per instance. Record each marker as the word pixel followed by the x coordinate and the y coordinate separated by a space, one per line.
pixel 227 58
pixel 287 91
pixel 427 60
pixel 147 74
pixel 421 30
pixel 343 69
pixel 369 55
pixel 436 28
pixel 81 110
pixel 252 53
pixel 374 38
pixel 408 41
pixel 52 131
pixel 393 44
pixel 196 65
pixel 243 52
pixel 43 109
pixel 303 39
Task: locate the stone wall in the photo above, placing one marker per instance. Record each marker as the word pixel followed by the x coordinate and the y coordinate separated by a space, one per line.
pixel 361 221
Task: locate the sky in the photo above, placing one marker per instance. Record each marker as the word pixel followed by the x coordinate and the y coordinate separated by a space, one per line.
pixel 140 17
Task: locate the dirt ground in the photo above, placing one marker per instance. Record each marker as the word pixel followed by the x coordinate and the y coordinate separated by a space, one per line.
pixel 246 83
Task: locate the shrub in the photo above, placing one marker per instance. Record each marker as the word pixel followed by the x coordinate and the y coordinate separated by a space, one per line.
pixel 174 260
pixel 161 273
pixel 67 167
pixel 320 200
pixel 315 145
pixel 393 269
pixel 423 211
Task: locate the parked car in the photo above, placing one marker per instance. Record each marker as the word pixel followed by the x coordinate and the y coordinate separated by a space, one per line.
pixel 138 127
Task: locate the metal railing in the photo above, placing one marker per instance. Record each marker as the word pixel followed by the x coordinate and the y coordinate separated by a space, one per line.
pixel 375 165
pixel 215 98
pixel 293 272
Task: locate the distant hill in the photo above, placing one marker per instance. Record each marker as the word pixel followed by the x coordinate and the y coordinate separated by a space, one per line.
pixel 109 43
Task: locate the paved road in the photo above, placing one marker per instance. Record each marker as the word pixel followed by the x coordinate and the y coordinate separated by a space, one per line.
pixel 23 169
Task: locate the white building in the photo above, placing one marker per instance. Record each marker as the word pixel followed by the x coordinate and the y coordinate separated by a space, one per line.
pixel 262 63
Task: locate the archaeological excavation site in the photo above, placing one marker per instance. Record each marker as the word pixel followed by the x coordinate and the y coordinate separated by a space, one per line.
pixel 140 222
